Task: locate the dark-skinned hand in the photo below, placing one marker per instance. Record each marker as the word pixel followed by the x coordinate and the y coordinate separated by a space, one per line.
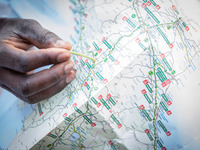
pixel 17 60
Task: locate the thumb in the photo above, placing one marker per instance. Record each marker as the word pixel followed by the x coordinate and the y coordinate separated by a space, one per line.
pixel 40 37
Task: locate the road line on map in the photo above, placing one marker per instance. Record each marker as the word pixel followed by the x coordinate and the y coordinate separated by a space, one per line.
pixel 155 109
pixel 69 126
pixel 183 43
pixel 155 99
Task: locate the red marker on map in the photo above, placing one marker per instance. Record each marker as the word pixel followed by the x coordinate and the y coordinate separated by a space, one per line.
pixel 98 105
pixel 146 131
pixel 173 7
pixel 108 96
pixel 86 61
pixel 142 107
pixel 110 142
pixel 169 103
pixel 93 124
pixel 171 45
pixel 187 28
pixel 100 50
pixel 164 148
pixel 145 82
pixel 168 81
pixel 85 84
pixel 105 81
pixel 119 126
pixel 162 56
pixel 64 115
pixel 100 97
pixel 148 3
pixel 144 5
pixel 137 40
pixel 164 84
pixel 74 105
pixel 168 133
pixel 169 112
pixel 144 91
pixel 116 62
pixel 124 19
pixel 157 7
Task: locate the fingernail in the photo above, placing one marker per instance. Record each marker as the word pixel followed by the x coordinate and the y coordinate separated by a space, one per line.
pixel 60 43
pixel 63 56
pixel 69 67
pixel 70 77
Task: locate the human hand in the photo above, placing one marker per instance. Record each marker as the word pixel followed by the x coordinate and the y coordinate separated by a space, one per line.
pixel 17 60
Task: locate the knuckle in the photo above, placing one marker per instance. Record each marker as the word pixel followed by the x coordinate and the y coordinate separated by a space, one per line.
pixel 60 87
pixel 25 89
pixel 27 23
pixel 24 25
pixel 33 98
pixel 48 38
pixel 47 58
pixel 56 76
pixel 32 22
pixel 22 64
pixel 30 100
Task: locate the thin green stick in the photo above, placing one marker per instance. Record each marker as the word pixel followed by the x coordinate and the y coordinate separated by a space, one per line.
pixel 75 53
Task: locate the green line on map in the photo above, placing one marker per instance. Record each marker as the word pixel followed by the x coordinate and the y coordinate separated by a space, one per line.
pixel 162 126
pixel 99 75
pixel 115 119
pixel 130 23
pixel 68 119
pixel 147 98
pixel 107 44
pixel 94 100
pixel 86 44
pixel 142 46
pixel 159 76
pixel 164 107
pixel 167 64
pixel 111 58
pixel 88 120
pixel 105 104
pixel 82 62
pixel 160 144
pixel 163 35
pixel 149 88
pixel 164 97
pixel 152 1
pixel 150 137
pixel 53 136
pixel 40 108
pixel 112 101
pixel 78 110
pixel 152 15
pixel 95 45
pixel 162 73
pixel 113 147
pixel 147 115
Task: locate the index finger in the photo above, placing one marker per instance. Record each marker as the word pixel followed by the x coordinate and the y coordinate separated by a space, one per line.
pixel 24 61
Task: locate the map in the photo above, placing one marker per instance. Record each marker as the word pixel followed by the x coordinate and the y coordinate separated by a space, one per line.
pixel 140 93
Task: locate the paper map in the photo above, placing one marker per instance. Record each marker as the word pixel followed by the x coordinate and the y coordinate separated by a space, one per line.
pixel 141 93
